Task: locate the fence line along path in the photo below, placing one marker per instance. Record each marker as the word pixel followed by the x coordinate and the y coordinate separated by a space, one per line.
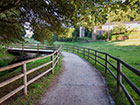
pixel 54 55
pixel 105 60
pixel 79 84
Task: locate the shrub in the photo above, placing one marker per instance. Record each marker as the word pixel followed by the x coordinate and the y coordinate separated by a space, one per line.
pixel 104 36
pixel 119 29
pixel 75 34
pixel 89 34
pixel 55 38
pixel 64 39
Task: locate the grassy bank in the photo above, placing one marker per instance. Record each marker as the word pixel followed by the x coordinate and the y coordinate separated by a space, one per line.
pixel 128 51
pixel 5 57
pixel 35 90
pixel 39 88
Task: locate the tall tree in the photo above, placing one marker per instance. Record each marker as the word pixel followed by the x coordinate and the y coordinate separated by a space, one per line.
pixel 50 16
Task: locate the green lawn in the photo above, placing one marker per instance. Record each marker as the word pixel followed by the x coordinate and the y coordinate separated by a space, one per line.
pixel 128 51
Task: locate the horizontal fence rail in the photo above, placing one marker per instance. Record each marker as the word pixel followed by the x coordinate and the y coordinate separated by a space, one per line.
pixel 55 55
pixel 92 54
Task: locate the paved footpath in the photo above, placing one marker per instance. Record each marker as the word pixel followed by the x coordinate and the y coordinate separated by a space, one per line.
pixel 79 84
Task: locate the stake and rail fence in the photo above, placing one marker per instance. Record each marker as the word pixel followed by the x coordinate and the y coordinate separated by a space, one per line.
pixel 55 55
pixel 94 55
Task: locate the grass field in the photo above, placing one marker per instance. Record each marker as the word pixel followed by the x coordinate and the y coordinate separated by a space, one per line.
pixel 128 51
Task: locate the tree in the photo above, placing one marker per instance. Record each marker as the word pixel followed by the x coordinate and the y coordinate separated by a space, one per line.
pixel 75 33
pixel 67 34
pixel 130 13
pixel 50 16
pixel 119 29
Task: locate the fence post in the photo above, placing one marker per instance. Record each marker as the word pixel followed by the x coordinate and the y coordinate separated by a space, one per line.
pixel 22 47
pixel 38 49
pixel 88 53
pixel 57 54
pixel 60 50
pixel 52 59
pixel 67 48
pixel 84 52
pixel 72 49
pixel 106 63
pixel 118 75
pixel 6 47
pixel 95 57
pixel 25 79
pixel 77 50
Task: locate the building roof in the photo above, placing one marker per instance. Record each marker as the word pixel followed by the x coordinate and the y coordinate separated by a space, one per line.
pixel 130 22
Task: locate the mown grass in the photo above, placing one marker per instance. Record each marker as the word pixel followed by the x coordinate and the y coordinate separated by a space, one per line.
pixel 128 51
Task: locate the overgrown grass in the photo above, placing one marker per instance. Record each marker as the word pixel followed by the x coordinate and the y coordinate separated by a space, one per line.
pixel 128 51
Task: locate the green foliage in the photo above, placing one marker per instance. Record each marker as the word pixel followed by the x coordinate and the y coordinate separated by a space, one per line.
pixel 104 36
pixel 86 31
pixel 100 37
pixel 5 57
pixel 119 29
pixel 133 30
pixel 55 38
pixel 30 40
pixel 47 17
pixel 75 34
pixel 129 35
pixel 130 13
pixel 67 34
pixel 89 34
pixel 64 39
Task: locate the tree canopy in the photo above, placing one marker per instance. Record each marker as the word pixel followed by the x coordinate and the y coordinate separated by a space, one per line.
pixel 132 13
pixel 52 16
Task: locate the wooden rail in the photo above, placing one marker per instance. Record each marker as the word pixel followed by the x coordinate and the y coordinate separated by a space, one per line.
pixel 90 53
pixel 31 48
pixel 56 53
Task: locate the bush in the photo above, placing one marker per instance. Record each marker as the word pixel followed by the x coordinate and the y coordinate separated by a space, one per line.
pixel 75 34
pixel 55 38
pixel 119 29
pixel 98 37
pixel 64 39
pixel 104 36
pixel 89 34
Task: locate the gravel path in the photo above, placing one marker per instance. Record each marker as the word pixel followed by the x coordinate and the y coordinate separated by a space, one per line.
pixel 79 84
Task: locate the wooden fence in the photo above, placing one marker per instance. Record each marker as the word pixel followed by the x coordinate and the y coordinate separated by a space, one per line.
pixel 93 55
pixel 55 55
pixel 36 47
